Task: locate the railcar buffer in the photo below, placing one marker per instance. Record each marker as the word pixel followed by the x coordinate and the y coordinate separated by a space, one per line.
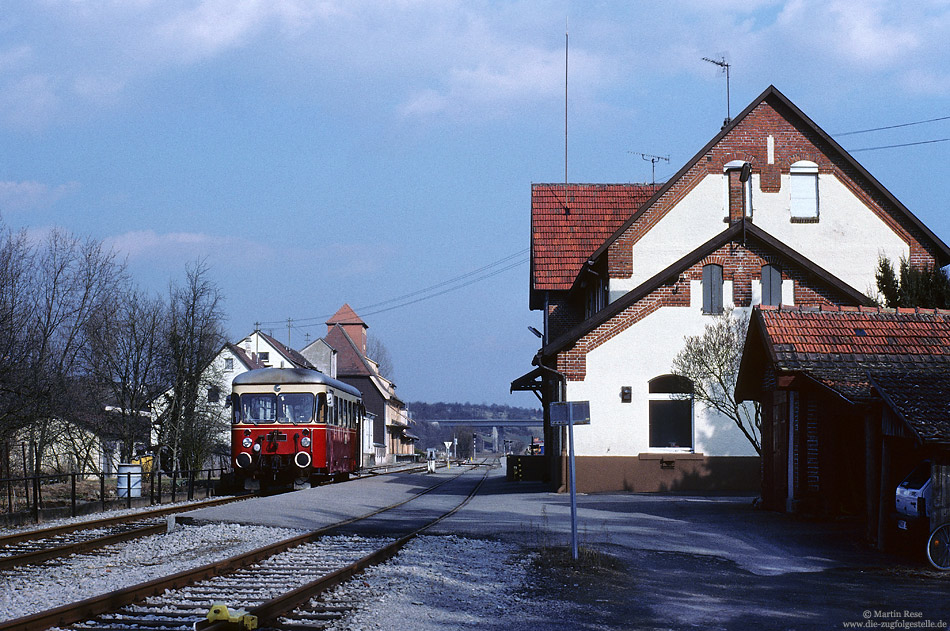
pixel 238 620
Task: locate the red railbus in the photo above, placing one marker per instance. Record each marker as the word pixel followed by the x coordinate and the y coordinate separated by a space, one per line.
pixel 293 426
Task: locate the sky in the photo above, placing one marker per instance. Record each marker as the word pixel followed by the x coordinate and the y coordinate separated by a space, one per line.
pixel 320 152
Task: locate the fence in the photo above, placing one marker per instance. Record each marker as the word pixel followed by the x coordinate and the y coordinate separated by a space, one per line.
pixel 28 496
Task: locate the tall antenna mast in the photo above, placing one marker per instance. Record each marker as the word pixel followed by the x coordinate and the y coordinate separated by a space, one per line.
pixel 652 159
pixel 722 63
pixel 565 115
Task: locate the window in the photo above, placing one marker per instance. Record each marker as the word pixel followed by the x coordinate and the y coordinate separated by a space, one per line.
pixel 229 363
pixel 671 412
pixel 295 407
pixel 214 394
pixel 771 285
pixel 712 288
pixel 264 357
pixel 258 408
pixel 804 190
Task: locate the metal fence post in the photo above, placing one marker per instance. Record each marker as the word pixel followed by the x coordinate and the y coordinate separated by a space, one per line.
pixel 102 489
pixel 174 484
pixel 72 494
pixel 159 487
pixel 191 485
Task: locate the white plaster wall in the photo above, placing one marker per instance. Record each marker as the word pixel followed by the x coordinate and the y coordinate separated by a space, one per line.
pixel 846 240
pixel 697 218
pixel 640 353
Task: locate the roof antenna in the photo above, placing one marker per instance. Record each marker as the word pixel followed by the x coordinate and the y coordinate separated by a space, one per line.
pixel 652 159
pixel 724 65
pixel 567 210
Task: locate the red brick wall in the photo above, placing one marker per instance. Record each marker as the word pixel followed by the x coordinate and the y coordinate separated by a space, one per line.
pixel 740 264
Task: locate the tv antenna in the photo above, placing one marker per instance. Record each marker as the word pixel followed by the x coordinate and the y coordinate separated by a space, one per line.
pixel 724 65
pixel 652 159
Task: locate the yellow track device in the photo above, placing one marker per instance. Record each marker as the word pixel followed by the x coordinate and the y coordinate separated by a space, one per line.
pixel 238 620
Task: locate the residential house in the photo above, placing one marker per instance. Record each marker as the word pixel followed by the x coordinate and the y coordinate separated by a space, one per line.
pixel 852 400
pixel 391 438
pixel 770 211
pixel 322 356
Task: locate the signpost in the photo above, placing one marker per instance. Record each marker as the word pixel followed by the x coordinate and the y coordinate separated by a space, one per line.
pixel 448 445
pixel 571 413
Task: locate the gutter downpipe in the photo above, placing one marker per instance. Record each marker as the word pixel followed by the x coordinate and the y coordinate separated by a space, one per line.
pixel 559 396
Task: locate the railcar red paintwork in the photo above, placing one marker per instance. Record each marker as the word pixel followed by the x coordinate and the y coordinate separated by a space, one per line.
pixel 293 426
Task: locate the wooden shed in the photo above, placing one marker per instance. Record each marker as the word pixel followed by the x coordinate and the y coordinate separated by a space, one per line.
pixel 853 398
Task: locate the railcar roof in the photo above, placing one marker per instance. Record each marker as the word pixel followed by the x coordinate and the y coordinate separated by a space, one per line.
pixel 266 376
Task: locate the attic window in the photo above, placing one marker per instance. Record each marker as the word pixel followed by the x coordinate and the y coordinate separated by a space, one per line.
pixel 804 191
pixel 860 333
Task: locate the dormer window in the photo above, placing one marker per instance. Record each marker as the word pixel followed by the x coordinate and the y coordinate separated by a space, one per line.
pixel 738 190
pixel 804 191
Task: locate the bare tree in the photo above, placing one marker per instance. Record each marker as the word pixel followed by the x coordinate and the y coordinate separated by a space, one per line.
pixel 711 362
pixel 124 358
pixel 72 281
pixel 189 422
pixel 377 351
pixel 16 317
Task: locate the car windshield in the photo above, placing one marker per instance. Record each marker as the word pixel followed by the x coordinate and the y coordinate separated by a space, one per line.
pixel 258 408
pixel 919 477
pixel 295 407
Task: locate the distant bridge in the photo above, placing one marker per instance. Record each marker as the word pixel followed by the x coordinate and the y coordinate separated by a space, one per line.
pixel 491 422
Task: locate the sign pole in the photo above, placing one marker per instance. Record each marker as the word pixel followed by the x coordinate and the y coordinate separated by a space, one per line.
pixel 570 433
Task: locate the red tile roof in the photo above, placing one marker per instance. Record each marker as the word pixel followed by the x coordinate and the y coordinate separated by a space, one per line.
pixel 564 233
pixel 857 335
pixel 901 355
pixel 345 315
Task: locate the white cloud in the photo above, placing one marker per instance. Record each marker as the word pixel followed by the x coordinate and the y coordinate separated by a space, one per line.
pixel 32 195
pixel 144 244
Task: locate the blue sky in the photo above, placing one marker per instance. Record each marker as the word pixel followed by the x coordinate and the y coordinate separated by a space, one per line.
pixel 322 152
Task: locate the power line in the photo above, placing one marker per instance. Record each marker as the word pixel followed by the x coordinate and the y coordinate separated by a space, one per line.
pixel 865 131
pixel 418 295
pixel 905 144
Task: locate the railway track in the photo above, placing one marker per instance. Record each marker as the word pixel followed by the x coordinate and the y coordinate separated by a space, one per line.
pixel 37 546
pixel 276 583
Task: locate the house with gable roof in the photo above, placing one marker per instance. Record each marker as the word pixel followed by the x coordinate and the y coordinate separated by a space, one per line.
pixel 853 399
pixel 390 439
pixel 770 211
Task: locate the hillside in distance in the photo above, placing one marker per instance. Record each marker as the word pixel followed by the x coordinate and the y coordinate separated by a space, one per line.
pixel 435 411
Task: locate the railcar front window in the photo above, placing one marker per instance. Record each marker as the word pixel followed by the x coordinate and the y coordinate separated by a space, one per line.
pixel 258 408
pixel 295 407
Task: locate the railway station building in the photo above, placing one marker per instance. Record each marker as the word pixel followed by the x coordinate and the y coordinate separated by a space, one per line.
pixel 770 211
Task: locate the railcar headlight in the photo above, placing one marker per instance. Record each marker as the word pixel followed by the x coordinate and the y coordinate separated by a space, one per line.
pixel 247 442
pixel 305 441
pixel 257 447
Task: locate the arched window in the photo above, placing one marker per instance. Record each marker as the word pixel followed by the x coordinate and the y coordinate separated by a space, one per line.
pixel 712 288
pixel 671 412
pixel 804 190
pixel 771 285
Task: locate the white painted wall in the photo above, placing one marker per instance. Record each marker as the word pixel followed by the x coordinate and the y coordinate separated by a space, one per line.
pixel 642 352
pixel 846 241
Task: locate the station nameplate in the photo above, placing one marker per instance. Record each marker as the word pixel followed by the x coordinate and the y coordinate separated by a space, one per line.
pixel 570 412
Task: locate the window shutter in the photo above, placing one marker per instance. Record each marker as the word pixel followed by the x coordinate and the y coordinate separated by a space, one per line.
pixel 712 289
pixel 771 285
pixel 804 190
